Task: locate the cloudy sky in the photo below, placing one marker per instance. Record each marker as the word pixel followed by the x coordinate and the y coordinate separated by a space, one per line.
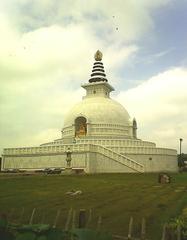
pixel 46 53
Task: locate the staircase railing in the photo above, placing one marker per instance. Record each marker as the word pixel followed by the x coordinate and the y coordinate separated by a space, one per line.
pixel 118 158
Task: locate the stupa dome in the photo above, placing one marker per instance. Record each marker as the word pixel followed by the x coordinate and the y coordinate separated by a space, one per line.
pixel 98 110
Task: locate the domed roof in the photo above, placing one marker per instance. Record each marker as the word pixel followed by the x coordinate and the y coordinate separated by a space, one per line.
pixel 98 110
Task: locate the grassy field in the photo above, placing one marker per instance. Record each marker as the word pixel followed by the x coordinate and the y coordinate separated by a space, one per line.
pixel 115 197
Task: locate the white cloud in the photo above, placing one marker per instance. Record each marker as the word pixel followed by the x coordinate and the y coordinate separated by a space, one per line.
pixel 159 105
pixel 132 18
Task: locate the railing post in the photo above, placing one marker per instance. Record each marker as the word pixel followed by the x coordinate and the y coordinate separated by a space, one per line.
pixel 130 228
pixel 82 218
pixel 164 232
pixel 32 216
pixel 56 218
pixel 74 219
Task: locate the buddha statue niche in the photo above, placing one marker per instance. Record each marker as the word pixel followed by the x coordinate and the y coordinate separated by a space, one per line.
pixel 81 130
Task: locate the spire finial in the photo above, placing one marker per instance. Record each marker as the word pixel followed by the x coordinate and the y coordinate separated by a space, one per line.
pixel 98 72
pixel 98 56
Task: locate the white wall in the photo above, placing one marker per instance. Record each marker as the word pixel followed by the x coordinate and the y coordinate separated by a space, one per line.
pixel 156 163
pixel 92 162
pixel 40 162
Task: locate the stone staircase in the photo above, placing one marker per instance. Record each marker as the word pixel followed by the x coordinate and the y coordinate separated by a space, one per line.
pixel 126 161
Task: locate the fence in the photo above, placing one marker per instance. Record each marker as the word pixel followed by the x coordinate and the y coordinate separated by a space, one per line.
pixel 83 219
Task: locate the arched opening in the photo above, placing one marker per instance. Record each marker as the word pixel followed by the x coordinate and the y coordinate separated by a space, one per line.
pixel 80 127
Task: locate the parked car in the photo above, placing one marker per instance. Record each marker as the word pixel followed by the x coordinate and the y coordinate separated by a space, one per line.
pixel 52 170
pixel 11 170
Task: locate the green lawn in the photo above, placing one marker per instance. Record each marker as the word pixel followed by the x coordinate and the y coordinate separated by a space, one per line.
pixel 115 197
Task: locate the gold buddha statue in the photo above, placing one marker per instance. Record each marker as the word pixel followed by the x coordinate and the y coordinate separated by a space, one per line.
pixel 81 131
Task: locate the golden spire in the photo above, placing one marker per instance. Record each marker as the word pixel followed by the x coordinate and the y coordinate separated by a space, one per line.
pixel 98 56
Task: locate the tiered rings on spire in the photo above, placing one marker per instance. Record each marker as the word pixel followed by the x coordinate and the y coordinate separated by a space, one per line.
pixel 98 72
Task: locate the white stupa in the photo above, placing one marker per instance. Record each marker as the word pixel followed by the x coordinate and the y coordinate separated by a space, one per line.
pixel 100 135
pixel 101 116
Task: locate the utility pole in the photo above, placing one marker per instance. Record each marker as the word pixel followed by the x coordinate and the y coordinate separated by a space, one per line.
pixel 180 146
pixel 180 154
